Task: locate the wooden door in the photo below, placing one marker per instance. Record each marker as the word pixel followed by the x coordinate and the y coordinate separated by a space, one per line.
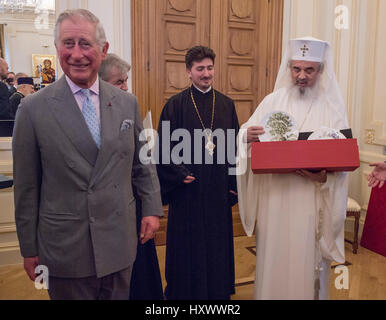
pixel 169 28
pixel 246 36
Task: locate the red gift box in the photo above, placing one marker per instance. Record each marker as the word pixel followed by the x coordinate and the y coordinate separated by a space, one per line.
pixel 289 156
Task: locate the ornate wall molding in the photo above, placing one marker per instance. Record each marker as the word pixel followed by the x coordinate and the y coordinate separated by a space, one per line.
pixel 367 157
pixel 240 42
pixel 370 136
pixel 175 41
pixel 181 5
pixel 242 9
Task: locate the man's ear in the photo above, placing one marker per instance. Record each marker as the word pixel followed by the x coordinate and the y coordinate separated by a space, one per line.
pixel 105 49
pixel 189 72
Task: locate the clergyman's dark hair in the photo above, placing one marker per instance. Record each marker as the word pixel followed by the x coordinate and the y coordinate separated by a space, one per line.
pixel 197 54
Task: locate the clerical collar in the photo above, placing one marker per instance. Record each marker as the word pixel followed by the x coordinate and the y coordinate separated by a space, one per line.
pixel 210 88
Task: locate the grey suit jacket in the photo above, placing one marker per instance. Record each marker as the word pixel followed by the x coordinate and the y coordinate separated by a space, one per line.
pixel 74 205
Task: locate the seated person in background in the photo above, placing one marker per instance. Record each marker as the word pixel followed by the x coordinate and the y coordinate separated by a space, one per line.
pixel 25 87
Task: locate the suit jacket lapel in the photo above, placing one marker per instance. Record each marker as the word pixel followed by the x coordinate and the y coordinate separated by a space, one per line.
pixel 110 126
pixel 71 120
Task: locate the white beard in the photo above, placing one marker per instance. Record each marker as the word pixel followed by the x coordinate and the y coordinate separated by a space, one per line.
pixel 306 93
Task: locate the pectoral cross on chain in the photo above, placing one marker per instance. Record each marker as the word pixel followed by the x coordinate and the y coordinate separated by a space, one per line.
pixel 304 50
pixel 210 145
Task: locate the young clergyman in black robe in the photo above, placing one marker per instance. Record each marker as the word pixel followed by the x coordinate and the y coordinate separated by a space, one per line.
pixel 199 248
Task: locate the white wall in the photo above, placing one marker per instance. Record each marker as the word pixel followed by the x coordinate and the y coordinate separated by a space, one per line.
pixel 23 39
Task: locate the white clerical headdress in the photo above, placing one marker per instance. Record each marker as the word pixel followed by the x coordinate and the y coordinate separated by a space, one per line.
pixel 319 51
pixel 307 49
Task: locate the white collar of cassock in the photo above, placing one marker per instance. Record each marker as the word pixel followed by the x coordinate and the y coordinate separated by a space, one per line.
pixel 210 88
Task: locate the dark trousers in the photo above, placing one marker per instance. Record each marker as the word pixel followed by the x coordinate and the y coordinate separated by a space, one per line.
pixel 115 286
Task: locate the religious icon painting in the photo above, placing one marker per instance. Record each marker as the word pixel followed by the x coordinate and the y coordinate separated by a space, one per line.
pixel 44 67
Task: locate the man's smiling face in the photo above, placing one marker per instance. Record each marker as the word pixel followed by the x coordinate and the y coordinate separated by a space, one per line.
pixel 79 53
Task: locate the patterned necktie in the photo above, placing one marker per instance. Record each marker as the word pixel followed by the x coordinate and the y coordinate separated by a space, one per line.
pixel 89 114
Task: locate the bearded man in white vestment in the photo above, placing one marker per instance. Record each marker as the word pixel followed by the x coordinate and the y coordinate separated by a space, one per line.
pixel 299 217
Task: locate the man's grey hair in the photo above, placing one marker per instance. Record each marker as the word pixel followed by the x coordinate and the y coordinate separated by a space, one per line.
pixel 111 61
pixel 71 14
pixel 22 86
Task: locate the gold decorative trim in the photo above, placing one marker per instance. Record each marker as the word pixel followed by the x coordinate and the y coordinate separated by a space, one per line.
pixel 370 136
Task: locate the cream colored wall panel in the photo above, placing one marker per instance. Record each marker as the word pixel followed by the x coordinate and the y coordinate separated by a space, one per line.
pixel 61 5
pixel 378 110
pixel 109 19
pixel 301 23
pixel 23 40
pixel 6 156
pixel 345 52
pixel 6 168
pixel 7 207
pixel 357 93
pixel 366 191
pixel 5 144
pixel 9 250
pixel 368 157
pixel 8 233
pixel 10 254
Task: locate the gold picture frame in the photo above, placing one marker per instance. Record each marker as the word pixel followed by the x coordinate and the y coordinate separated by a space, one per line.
pixel 44 67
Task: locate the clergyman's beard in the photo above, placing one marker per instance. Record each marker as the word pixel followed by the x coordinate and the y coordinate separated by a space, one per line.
pixel 302 90
pixel 306 92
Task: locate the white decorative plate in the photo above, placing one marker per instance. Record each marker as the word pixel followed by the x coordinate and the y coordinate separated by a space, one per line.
pixel 279 126
pixel 325 133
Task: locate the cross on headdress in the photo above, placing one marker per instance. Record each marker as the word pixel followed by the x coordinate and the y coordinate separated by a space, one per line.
pixel 304 50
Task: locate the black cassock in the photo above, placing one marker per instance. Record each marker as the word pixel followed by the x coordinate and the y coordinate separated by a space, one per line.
pixel 199 249
pixel 146 283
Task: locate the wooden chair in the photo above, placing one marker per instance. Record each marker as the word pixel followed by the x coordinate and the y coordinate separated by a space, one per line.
pixel 354 210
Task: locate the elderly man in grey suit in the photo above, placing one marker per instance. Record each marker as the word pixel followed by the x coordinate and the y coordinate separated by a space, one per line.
pixel 76 155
